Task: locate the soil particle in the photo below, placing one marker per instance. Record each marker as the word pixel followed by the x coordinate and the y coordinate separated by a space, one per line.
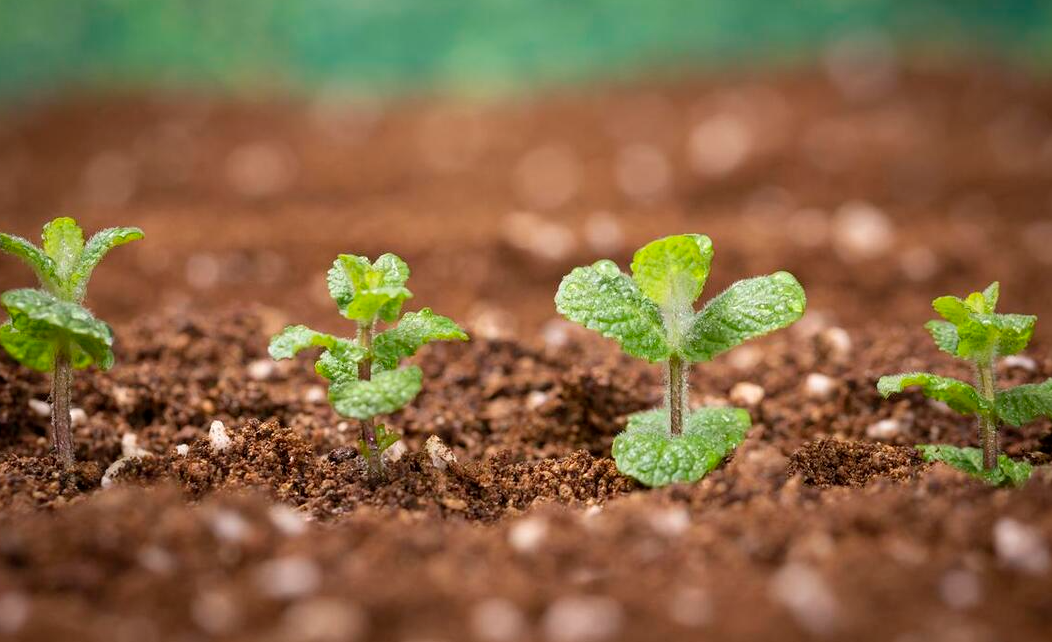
pixel 831 462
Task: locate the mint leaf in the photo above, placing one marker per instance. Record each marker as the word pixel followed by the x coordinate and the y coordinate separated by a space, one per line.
pixel 945 335
pixel 340 361
pixel 955 393
pixel 602 298
pixel 748 309
pixel 340 288
pixel 38 317
pixel 647 452
pixel 296 338
pixel 376 290
pixel 1023 404
pixel 984 335
pixel 970 460
pixel 63 242
pixel 953 309
pixel 385 393
pixel 414 330
pixel 383 303
pixel 672 271
pixel 94 251
pixel 990 296
pixel 34 257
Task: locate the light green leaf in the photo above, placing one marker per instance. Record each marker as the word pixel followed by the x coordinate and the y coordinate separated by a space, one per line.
pixel 953 309
pixel 385 393
pixel 384 303
pixel 945 335
pixel 647 452
pixel 340 361
pixel 957 394
pixel 384 440
pixel 602 298
pixel 28 348
pixel 1023 404
pixel 34 257
pixel 970 460
pixel 38 316
pixel 748 309
pixel 990 296
pixel 295 338
pixel 672 271
pixel 96 249
pixel 414 330
pixel 984 336
pixel 377 290
pixel 63 242
pixel 340 288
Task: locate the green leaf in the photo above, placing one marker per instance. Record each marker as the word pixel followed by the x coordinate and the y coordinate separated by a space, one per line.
pixel 748 309
pixel 340 361
pixel 340 288
pixel 984 336
pixel 990 296
pixel 385 393
pixel 377 290
pixel 384 440
pixel 957 394
pixel 602 298
pixel 63 242
pixel 970 460
pixel 38 317
pixel 647 452
pixel 672 271
pixel 953 309
pixel 945 335
pixel 34 257
pixel 296 338
pixel 384 303
pixel 414 330
pixel 96 249
pixel 1023 404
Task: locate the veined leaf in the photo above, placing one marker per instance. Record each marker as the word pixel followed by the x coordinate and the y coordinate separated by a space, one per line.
pixel 748 309
pixel 945 335
pixel 385 393
pixel 602 298
pixel 376 290
pixel 1023 404
pixel 34 257
pixel 990 296
pixel 38 317
pixel 970 460
pixel 672 271
pixel 414 330
pixel 957 394
pixel 295 338
pixel 63 242
pixel 340 361
pixel 986 335
pixel 94 251
pixel 952 308
pixel 340 288
pixel 384 303
pixel 647 452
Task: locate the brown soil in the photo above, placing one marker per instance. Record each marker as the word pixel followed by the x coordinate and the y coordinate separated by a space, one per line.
pixel 824 524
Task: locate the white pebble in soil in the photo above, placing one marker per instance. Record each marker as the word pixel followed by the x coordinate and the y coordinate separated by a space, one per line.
pixel 528 534
pixel 1021 547
pixel 747 394
pixel 289 523
pixel 215 612
pixel 885 429
pixel 229 526
pixel 819 386
pixel 582 619
pixel 441 455
pixel 808 597
pixel 834 344
pixel 218 437
pixel 960 589
pixel 288 578
pixel 670 522
pixel 862 231
pixel 261 369
pixel 316 395
pixel 497 620
pixel 1018 361
pixel 395 452
pixel 78 417
pixel 40 408
pixel 182 450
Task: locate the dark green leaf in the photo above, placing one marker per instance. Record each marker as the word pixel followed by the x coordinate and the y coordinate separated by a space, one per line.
pixel 970 460
pixel 295 338
pixel 38 316
pixel 602 298
pixel 748 309
pixel 957 394
pixel 385 393
pixel 1023 404
pixel 414 330
pixel 96 249
pixel 647 452
pixel 984 336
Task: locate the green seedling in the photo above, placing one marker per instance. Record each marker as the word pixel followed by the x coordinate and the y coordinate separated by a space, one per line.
pixel 651 315
pixel 973 331
pixel 49 330
pixel 365 379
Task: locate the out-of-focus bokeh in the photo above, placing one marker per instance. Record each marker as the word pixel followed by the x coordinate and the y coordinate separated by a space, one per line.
pixel 472 45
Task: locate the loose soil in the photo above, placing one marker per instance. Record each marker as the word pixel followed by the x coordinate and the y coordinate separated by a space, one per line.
pixel 825 524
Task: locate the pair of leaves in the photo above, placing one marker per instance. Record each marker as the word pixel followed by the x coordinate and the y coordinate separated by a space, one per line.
pixel 65 263
pixel 647 452
pixel 973 330
pixel 42 325
pixel 1016 406
pixel 367 291
pixel 970 460
pixel 651 315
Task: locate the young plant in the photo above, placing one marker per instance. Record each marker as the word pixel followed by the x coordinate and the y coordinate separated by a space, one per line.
pixel 973 331
pixel 651 315
pixel 49 330
pixel 365 379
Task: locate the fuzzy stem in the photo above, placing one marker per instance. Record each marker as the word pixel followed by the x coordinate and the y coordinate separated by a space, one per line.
pixel 676 386
pixel 365 373
pixel 987 422
pixel 61 421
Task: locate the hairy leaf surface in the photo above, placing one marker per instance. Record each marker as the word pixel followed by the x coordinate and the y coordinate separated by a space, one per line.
pixel 34 257
pixel 970 460
pixel 39 317
pixel 955 393
pixel 414 330
pixel 748 309
pixel 63 242
pixel 647 452
pixel 1023 404
pixel 672 271
pixel 296 338
pixel 385 393
pixel 94 251
pixel 945 335
pixel 602 298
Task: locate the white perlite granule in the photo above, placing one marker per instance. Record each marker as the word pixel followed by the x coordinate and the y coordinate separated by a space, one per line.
pixel 218 437
pixel 582 619
pixel 288 577
pixel 527 535
pixel 1021 547
pixel 441 455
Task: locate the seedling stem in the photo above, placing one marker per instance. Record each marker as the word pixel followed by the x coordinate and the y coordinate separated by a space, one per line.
pixel 987 421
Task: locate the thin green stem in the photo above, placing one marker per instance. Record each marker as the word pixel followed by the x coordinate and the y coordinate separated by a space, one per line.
pixel 676 393
pixel 61 420
pixel 365 373
pixel 987 421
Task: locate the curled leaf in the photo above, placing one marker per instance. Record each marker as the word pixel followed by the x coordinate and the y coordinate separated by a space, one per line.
pixel 41 264
pixel 296 338
pixel 97 247
pixel 672 271
pixel 970 460
pixel 957 394
pixel 414 330
pixel 385 393
pixel 63 242
pixel 41 324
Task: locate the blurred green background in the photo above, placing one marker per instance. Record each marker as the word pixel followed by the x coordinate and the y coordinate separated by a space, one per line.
pixel 475 45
